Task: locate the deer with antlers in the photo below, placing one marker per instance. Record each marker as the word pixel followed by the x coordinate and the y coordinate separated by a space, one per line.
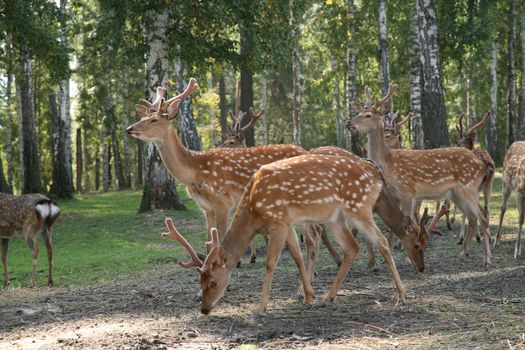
pixel 455 173
pixel 236 139
pixel 216 178
pixel 467 141
pixel 513 179
pixel 312 188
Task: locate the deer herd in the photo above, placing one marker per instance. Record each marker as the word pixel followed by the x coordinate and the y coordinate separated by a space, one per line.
pixel 272 190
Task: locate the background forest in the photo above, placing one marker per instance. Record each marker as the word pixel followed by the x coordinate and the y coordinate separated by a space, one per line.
pixel 72 71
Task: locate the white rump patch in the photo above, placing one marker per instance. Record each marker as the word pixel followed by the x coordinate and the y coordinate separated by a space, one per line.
pixel 42 210
pixel 55 210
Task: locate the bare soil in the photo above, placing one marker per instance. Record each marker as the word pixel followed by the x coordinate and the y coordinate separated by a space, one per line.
pixel 453 305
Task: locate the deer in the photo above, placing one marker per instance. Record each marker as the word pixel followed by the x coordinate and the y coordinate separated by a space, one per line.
pixel 236 139
pixel 467 141
pixel 23 217
pixel 454 172
pixel 311 188
pixel 214 178
pixel 513 179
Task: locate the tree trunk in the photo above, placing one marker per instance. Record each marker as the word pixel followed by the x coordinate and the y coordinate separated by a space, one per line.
pixel 80 165
pixel 353 141
pixel 87 164
pixel 61 186
pixel 122 133
pixel 4 187
pixel 246 82
pixel 492 132
pixel 188 128
pixel 264 104
pixel 9 125
pixel 383 48
pixel 97 171
pixel 432 99
pixel 159 186
pixel 416 125
pixel 30 165
pixel 522 97
pixel 296 72
pixel 64 106
pixel 340 119
pixel 223 108
pixel 106 167
pixel 511 102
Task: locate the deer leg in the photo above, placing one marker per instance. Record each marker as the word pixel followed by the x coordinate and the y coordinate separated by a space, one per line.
pixel 447 215
pixel 462 231
pixel 33 245
pixel 379 241
pixel 277 238
pixel 311 242
pixel 5 245
pixel 350 247
pixel 295 251
pixel 521 207
pixel 454 214
pixel 210 222
pixel 328 244
pixel 49 249
pixel 442 211
pixel 506 194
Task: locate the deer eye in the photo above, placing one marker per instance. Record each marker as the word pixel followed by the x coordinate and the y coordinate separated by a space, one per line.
pixel 153 120
pixel 212 284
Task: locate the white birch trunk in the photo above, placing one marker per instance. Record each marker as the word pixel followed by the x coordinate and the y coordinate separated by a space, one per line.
pixel 491 134
pixel 415 85
pixel 383 47
pixel 511 101
pixel 264 104
pixel 296 72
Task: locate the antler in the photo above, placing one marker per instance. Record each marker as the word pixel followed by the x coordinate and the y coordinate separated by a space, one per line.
pixel 391 90
pixel 214 239
pixel 155 105
pixel 460 127
pixel 192 86
pixel 424 220
pixel 407 119
pixel 368 96
pixel 255 117
pixel 237 120
pixel 479 124
pixel 174 234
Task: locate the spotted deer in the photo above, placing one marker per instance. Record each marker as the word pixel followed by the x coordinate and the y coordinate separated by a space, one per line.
pixel 454 173
pixel 311 188
pixel 513 179
pixel 23 217
pixel 215 178
pixel 467 140
pixel 236 140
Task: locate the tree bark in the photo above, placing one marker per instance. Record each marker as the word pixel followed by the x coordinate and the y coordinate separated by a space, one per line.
pixel 122 133
pixel 246 81
pixel 511 101
pixel 61 185
pixel 106 167
pixel 264 104
pixel 223 108
pixel 4 187
pixel 30 165
pixel 80 165
pixel 416 125
pixel 522 97
pixel 159 186
pixel 383 47
pixel 296 72
pixel 9 122
pixel 432 99
pixel 492 134
pixel 188 128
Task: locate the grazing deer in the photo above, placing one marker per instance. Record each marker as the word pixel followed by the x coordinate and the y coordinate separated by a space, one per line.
pixel 311 188
pixel 216 178
pixel 467 141
pixel 455 173
pixel 236 140
pixel 23 217
pixel 513 179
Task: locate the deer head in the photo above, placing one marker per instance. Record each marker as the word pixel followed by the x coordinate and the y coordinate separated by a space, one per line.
pixel 370 116
pixel 415 252
pixel 468 139
pixel 236 138
pixel 214 277
pixel 393 131
pixel 155 117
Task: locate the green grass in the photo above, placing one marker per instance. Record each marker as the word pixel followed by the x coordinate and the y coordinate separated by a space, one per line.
pixel 100 238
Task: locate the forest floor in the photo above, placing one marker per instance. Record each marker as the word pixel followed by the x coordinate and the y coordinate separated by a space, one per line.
pixel 453 304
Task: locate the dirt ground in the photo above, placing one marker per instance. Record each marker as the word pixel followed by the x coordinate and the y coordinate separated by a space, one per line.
pixel 453 305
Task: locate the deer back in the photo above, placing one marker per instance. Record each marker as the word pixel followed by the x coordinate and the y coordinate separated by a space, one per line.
pixel 514 166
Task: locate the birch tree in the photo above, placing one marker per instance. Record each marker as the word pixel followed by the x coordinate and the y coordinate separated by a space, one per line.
pixel 383 48
pixel 418 141
pixel 511 100
pixel 492 134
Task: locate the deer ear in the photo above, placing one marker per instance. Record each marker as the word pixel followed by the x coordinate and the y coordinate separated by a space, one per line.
pixel 357 107
pixel 142 111
pixel 222 257
pixel 407 223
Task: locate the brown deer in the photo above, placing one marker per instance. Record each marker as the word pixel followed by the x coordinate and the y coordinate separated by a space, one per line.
pixel 513 179
pixel 467 141
pixel 236 139
pixel 311 188
pixel 455 173
pixel 216 178
pixel 23 217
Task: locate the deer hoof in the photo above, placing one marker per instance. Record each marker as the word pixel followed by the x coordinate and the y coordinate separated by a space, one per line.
pixel 253 260
pixel 401 302
pixel 257 316
pixel 460 241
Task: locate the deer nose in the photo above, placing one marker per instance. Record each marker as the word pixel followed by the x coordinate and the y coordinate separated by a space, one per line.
pixel 129 129
pixel 205 310
pixel 422 268
pixel 349 125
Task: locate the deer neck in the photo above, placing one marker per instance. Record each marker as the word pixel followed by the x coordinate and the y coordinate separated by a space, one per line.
pixel 180 161
pixel 387 207
pixel 378 150
pixel 238 237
